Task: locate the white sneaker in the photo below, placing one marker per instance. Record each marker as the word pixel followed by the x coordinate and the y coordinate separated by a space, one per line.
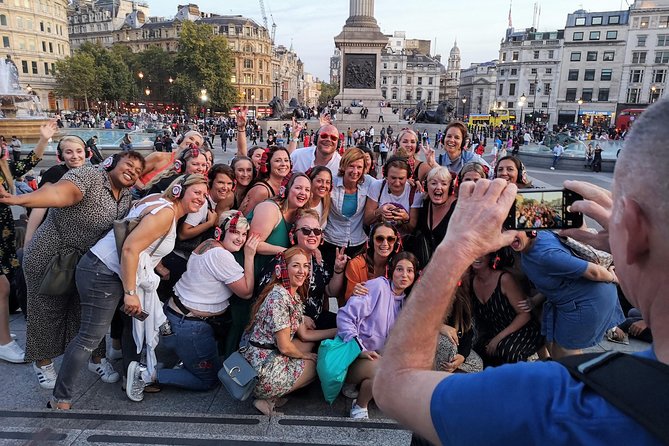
pixel 105 370
pixel 134 388
pixel 12 352
pixel 46 375
pixel 358 412
pixel 552 168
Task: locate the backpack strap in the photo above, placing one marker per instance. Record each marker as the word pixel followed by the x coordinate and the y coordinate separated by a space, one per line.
pixel 383 185
pixel 638 387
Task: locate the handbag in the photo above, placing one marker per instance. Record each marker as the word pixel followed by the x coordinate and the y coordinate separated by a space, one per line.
pixel 238 376
pixel 334 358
pixel 122 229
pixel 59 277
pixel 587 252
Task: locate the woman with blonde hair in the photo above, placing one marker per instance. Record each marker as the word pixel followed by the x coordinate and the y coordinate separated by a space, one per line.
pixel 192 160
pixel 9 349
pixel 408 145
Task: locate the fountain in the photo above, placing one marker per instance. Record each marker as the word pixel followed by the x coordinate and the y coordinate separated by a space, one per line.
pixel 20 112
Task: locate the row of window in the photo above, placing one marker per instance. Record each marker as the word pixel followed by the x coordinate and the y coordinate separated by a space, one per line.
pixel 395 80
pixel 251 79
pixel 419 66
pixel 662 40
pixel 589 75
pixel 45 6
pixel 658 76
pixel 79 29
pixel 408 96
pixel 535 88
pixel 598 20
pixel 21 43
pixel 595 35
pixel 645 22
pixel 28 24
pixel 634 94
pixel 536 55
pixel 514 71
pixel 587 94
pixel 591 56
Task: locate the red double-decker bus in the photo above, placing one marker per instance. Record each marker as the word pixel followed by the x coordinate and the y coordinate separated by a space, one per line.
pixel 626 118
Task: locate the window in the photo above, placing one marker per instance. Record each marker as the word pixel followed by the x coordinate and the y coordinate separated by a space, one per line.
pixel 641 40
pixel 50 48
pixel 509 104
pixel 512 89
pixel 503 57
pixel 533 71
pixel 419 95
pixel 514 71
pixel 549 70
pixel 5 41
pixel 430 81
pixel 544 105
pixel 586 95
pixel 571 95
pixel 608 56
pixel 611 35
pixel 606 74
pixel 578 35
pixel 661 56
pixel 547 88
pixel 573 75
pixel 46 68
pixel 248 64
pixel 396 65
pixel 408 95
pixel 500 90
pixel 394 80
pixel 385 66
pixel 24 66
pixel 636 76
pixel 580 21
pixel 530 105
pixel 384 80
pixel 536 55
pixel 603 95
pixel 515 55
pixel 43 46
pixel 3 20
pixel 575 57
pixel 551 54
pixel 589 75
pixel 614 20
pixel 394 95
pixel 34 67
pixel 659 75
pixel 420 80
pixel 502 71
pixel 591 56
pixel 533 88
pixel 664 21
pixel 429 96
pixel 663 40
pixel 644 22
pixel 633 95
pixel 597 20
pixel 594 35
pixel 639 56
pixel 409 80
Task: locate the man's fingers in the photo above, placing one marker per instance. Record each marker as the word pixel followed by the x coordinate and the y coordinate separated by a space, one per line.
pixel 601 214
pixel 598 241
pixel 590 192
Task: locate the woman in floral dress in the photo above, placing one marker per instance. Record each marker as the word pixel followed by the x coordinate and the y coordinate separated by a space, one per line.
pixel 10 169
pixel 283 362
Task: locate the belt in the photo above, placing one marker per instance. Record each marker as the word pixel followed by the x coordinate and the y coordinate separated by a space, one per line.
pixel 263 346
pixel 185 311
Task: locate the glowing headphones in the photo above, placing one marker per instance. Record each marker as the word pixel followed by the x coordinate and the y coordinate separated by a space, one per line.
pixel 111 161
pixel 59 149
pixel 218 232
pixel 179 189
pixel 180 164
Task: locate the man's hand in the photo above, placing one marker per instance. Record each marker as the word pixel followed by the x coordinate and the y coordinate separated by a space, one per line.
pixel 596 204
pixel 476 226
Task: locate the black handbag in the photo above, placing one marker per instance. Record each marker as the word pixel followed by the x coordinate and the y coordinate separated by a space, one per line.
pixel 59 277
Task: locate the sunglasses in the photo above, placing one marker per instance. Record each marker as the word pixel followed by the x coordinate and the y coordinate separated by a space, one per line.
pixel 308 231
pixel 330 137
pixel 380 239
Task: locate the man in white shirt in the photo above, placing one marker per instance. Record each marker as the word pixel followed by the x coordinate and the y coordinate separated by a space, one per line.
pixel 323 154
pixel 558 150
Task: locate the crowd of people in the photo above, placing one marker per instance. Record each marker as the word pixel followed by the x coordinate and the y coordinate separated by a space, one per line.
pixel 253 252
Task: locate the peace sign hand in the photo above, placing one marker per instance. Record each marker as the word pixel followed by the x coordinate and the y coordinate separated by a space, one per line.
pixel 241 118
pixel 429 154
pixel 325 119
pixel 297 127
pixel 341 259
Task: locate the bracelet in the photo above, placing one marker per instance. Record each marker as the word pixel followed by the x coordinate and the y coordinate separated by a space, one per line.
pixel 338 272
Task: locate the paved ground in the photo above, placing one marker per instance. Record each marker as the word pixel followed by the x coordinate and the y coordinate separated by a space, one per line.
pixel 104 415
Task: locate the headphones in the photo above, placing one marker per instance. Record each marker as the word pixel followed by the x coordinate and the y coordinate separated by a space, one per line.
pixel 398 159
pixel 59 149
pixel 180 163
pixel 178 190
pixel 220 229
pixel 111 161
pixel 500 259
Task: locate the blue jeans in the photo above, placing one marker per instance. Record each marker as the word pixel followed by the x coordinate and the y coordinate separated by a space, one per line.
pixel 555 161
pixel 196 346
pixel 100 290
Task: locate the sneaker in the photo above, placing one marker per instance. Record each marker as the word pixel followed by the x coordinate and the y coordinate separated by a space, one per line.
pixel 135 384
pixel 11 352
pixel 114 354
pixel 552 168
pixel 358 412
pixel 349 391
pixel 105 370
pixel 46 375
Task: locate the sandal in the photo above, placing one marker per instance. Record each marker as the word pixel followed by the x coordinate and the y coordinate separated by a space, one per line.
pixel 617 335
pixel 266 407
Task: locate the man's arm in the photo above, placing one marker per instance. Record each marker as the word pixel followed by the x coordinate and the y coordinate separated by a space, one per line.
pixel 405 382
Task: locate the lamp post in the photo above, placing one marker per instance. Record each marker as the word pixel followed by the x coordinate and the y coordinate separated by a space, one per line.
pixel 521 104
pixel 204 98
pixel 578 114
pixel 253 102
pixel 464 101
pixel 653 89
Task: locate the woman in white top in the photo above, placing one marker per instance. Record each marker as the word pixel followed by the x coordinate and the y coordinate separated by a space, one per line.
pixel 102 279
pixel 321 186
pixel 200 302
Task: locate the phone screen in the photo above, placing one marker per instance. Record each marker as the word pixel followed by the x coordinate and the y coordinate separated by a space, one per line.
pixel 544 209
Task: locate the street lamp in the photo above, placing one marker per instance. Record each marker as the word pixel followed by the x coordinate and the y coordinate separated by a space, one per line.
pixel 578 114
pixel 521 104
pixel 653 89
pixel 170 80
pixel 253 102
pixel 464 101
pixel 147 91
pixel 141 75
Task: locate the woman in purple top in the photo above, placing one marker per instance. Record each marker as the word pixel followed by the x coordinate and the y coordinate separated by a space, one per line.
pixel 369 318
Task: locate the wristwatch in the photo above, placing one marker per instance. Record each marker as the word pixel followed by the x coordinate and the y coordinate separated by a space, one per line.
pixel 130 292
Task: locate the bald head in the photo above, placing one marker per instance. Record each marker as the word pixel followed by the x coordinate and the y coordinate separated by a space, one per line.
pixel 328 137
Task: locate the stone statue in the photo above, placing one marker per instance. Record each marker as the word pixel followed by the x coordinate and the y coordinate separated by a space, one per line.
pixel 360 71
pixel 440 116
pixel 277 107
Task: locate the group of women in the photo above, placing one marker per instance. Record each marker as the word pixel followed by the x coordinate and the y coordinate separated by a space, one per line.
pixel 253 252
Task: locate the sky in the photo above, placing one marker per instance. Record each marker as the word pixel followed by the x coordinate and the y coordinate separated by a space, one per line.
pixel 478 25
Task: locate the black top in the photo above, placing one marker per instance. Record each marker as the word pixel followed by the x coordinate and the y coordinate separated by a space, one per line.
pixel 436 234
pixel 53 174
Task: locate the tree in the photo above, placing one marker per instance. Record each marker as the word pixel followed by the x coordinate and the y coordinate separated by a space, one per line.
pixel 113 73
pixel 328 92
pixel 77 77
pixel 203 61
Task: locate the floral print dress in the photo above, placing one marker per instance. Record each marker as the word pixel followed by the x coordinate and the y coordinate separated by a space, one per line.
pixel 277 373
pixel 8 260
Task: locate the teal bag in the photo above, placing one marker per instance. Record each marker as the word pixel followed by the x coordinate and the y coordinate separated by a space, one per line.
pixel 334 358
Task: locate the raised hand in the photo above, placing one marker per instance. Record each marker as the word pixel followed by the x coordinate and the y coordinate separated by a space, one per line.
pixel 241 118
pixel 297 127
pixel 341 259
pixel 325 119
pixel 429 154
pixel 251 244
pixel 597 204
pixel 48 129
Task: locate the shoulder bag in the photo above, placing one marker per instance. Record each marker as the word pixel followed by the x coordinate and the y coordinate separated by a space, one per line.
pixel 238 376
pixel 58 279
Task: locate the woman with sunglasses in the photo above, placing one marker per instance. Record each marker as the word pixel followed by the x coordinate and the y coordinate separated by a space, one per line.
pixel 369 318
pixel 384 243
pixel 323 283
pixel 200 301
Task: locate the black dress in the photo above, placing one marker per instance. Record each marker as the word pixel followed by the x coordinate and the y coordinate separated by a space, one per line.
pixel 495 315
pixel 427 238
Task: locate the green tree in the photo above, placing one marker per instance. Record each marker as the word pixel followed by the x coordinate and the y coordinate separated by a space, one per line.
pixel 328 92
pixel 113 73
pixel 203 61
pixel 158 67
pixel 77 77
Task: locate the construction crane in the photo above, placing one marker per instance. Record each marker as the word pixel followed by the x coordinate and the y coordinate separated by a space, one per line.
pixel 264 18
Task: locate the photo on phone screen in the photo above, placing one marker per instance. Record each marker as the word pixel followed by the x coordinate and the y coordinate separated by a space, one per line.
pixel 544 209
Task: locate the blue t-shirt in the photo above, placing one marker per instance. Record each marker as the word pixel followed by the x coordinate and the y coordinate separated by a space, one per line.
pixel 577 311
pixel 350 205
pixel 529 403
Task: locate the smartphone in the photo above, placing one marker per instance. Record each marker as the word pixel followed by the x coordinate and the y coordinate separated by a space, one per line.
pixel 140 317
pixel 544 209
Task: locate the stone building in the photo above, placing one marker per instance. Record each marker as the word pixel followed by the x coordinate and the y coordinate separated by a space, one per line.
pixel 477 85
pixel 592 67
pixel 646 63
pixel 335 67
pixel 528 73
pixel 450 76
pixel 312 90
pixel 95 20
pixel 34 35
pixel 287 75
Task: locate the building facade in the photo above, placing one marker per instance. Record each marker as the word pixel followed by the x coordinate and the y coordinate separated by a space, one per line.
pixel 592 67
pixel 95 21
pixel 477 86
pixel 449 81
pixel 646 64
pixel 335 67
pixel 34 35
pixel 312 90
pixel 287 75
pixel 528 73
